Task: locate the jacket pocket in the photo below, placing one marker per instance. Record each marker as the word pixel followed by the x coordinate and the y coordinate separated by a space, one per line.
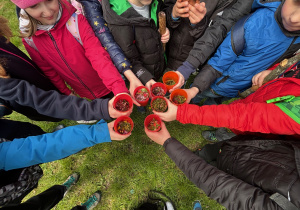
pixel 222 80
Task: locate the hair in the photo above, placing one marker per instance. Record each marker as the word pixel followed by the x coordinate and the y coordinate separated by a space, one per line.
pixel 31 28
pixel 4 29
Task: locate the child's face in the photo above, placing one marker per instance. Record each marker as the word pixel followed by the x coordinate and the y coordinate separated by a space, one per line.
pixel 45 12
pixel 140 3
pixel 290 14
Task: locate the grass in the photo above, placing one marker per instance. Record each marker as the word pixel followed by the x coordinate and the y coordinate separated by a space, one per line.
pixel 124 171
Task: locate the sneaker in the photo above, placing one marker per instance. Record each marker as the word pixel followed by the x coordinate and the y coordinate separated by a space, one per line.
pixel 220 134
pixel 209 135
pixel 197 205
pixel 93 201
pixel 71 180
pixel 86 121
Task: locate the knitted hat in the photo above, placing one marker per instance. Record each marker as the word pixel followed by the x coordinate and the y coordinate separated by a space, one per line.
pixel 23 4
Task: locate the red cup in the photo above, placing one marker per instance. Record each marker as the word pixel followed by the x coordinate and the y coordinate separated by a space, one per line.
pixel 123 97
pixel 142 103
pixel 178 92
pixel 120 119
pixel 156 97
pixel 170 75
pixel 158 84
pixel 149 118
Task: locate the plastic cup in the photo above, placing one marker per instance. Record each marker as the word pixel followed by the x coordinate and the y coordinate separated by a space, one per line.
pixel 120 119
pixel 148 120
pixel 158 84
pixel 123 97
pixel 156 97
pixel 170 75
pixel 178 92
pixel 145 102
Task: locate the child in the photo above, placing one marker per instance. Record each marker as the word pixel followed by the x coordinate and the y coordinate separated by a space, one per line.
pixel 86 67
pixel 270 34
pixel 187 23
pixel 134 25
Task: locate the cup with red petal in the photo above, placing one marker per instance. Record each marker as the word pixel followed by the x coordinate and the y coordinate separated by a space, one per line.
pixel 141 95
pixel 170 79
pixel 123 102
pixel 158 89
pixel 152 123
pixel 159 104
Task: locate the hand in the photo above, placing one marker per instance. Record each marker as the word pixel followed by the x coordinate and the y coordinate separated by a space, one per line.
pixel 197 12
pixel 134 83
pixel 166 36
pixel 180 82
pixel 113 113
pixel 192 92
pixel 149 84
pixel 181 9
pixel 159 137
pixel 258 79
pixel 113 134
pixel 169 115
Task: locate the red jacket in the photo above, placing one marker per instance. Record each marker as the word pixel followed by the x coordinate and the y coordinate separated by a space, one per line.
pixel 87 68
pixel 251 114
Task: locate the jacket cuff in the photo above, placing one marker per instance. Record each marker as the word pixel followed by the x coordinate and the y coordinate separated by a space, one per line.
pixel 104 107
pixel 143 75
pixel 186 69
pixel 168 141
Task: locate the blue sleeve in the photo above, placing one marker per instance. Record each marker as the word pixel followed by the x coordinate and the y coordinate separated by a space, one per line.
pixel 33 150
pixel 94 15
pixel 224 57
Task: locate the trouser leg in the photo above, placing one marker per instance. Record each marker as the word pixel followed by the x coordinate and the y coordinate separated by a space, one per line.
pixel 43 201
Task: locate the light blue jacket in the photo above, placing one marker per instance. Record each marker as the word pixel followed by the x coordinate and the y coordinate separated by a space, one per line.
pixel 48 147
pixel 265 42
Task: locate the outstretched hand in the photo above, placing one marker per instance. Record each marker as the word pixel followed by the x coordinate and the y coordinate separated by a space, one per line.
pixel 180 9
pixel 180 82
pixel 192 92
pixel 114 135
pixel 169 115
pixel 134 83
pixel 159 137
pixel 113 113
pixel 197 12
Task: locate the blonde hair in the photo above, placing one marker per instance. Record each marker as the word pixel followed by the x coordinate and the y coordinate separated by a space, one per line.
pixel 31 28
pixel 4 29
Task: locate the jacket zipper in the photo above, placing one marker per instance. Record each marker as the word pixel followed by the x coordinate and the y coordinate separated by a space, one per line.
pixel 64 60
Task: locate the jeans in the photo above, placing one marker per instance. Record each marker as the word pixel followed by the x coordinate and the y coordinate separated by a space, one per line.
pixel 212 98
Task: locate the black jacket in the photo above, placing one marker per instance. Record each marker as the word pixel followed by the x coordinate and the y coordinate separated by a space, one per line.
pixel 184 35
pixel 249 170
pixel 139 39
pixel 206 45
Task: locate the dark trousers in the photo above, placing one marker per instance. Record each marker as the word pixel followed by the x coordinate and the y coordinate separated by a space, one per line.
pixel 44 201
pixel 14 129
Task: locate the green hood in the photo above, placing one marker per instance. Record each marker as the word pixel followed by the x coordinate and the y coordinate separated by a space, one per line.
pixel 120 6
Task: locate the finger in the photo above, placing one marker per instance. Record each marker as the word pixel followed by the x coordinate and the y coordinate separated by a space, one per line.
pixel 260 81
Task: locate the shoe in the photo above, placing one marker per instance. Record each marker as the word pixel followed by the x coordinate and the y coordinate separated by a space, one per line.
pixel 71 180
pixel 197 205
pixel 59 127
pixel 93 201
pixel 220 134
pixel 209 135
pixel 86 121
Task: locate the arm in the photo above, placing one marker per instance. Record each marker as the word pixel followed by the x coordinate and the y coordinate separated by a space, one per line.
pixel 94 15
pixel 48 70
pixel 252 117
pixel 51 103
pixel 33 150
pixel 99 58
pixel 229 191
pixel 214 35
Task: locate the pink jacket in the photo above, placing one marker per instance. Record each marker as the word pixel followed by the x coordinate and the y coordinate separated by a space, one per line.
pixel 87 68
